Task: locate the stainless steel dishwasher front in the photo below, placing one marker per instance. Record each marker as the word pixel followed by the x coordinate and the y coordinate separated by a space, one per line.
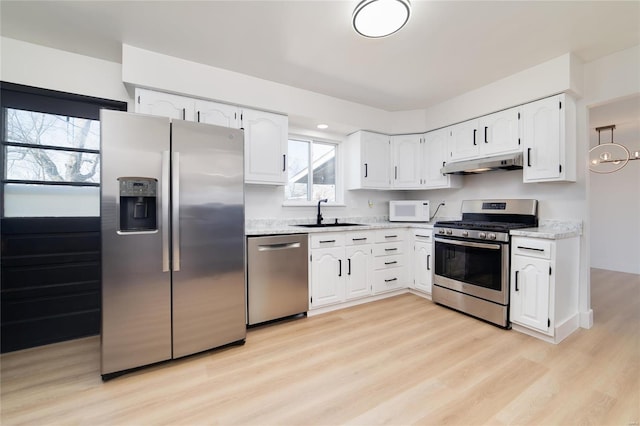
pixel 277 277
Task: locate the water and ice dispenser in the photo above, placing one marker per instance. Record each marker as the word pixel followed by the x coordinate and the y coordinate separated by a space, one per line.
pixel 138 204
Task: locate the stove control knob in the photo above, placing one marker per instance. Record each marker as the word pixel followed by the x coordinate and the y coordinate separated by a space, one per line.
pixel 492 236
pixel 465 233
pixel 482 235
pixel 449 232
pixel 440 231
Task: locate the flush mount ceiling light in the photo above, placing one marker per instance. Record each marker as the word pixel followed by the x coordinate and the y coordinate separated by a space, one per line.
pixel 380 18
pixel 609 157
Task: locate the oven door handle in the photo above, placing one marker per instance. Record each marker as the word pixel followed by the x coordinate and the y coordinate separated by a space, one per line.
pixel 469 244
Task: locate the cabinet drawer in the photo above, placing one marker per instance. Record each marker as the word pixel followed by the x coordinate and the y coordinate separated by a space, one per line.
pixel 389 235
pixel 385 262
pixel 326 240
pixel 388 279
pixel 388 249
pixel 532 247
pixel 424 235
pixel 357 238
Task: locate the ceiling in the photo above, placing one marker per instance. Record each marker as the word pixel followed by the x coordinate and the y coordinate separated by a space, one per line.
pixel 447 48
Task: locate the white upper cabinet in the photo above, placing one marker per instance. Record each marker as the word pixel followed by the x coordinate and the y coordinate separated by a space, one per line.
pixel 407 161
pixel 266 134
pixel 549 140
pixel 164 104
pixel 464 141
pixel 266 140
pixel 500 132
pixel 434 157
pixel 368 157
pixel 217 114
pixel 493 134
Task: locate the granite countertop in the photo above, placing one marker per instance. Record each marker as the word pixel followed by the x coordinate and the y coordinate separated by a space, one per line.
pixel 551 230
pixel 288 226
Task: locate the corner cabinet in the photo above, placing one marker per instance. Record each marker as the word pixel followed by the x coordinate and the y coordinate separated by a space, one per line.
pixel 549 140
pixel 266 142
pixel 544 286
pixel 368 154
pixel 407 162
pixel 434 157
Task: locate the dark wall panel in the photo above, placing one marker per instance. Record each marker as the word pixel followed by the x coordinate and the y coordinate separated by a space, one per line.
pixel 50 274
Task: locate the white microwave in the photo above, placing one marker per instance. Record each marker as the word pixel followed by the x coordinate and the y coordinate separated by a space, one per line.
pixel 409 211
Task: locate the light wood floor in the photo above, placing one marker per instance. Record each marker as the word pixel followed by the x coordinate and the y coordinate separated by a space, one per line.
pixel 402 360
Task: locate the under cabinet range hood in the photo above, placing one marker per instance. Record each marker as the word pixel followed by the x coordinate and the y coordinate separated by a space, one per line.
pixel 480 165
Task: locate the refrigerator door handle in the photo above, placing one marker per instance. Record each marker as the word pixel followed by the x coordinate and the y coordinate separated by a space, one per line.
pixel 175 210
pixel 165 210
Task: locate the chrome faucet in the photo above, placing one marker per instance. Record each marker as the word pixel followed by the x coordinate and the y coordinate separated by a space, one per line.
pixel 319 217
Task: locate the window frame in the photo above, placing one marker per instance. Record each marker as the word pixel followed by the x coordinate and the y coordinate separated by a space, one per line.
pixel 339 201
pixel 28 98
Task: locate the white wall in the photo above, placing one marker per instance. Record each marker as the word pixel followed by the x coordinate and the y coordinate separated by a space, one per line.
pixel 615 198
pixel 39 66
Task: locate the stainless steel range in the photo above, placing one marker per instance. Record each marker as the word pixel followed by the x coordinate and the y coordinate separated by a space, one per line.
pixel 472 257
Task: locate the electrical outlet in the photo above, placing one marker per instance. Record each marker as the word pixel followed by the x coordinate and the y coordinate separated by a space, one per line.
pixel 370 204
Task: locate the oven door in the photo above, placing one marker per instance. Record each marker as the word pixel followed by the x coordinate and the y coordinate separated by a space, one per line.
pixel 476 268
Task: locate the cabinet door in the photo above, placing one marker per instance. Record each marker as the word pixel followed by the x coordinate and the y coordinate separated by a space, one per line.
pixel 464 140
pixel 218 114
pixel 500 132
pixel 541 139
pixel 163 104
pixel 357 271
pixel 327 276
pixel 530 284
pixel 265 139
pixel 423 266
pixel 434 158
pixel 407 164
pixel 376 164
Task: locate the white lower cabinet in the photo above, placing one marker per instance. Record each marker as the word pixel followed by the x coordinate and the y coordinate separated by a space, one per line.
pixel 358 266
pixel 422 260
pixel 544 285
pixel 390 271
pixel 340 265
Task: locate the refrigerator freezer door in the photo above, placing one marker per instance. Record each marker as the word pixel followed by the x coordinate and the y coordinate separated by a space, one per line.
pixel 208 237
pixel 136 293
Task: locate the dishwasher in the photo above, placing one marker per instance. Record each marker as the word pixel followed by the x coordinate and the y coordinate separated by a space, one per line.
pixel 277 277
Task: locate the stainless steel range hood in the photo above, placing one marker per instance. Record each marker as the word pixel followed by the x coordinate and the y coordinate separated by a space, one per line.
pixel 481 165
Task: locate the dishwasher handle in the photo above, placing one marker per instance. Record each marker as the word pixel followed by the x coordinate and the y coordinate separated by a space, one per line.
pixel 279 246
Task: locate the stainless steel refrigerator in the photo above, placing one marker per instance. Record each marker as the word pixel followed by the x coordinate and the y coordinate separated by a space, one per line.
pixel 172 213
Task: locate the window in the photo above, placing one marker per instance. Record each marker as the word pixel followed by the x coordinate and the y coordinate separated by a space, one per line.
pixel 50 152
pixel 311 169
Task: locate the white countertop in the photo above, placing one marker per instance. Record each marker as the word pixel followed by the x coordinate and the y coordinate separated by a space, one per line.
pixel 288 226
pixel 551 230
pixel 548 229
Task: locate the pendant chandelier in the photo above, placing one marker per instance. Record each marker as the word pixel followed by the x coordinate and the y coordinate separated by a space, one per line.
pixel 609 157
pixel 380 18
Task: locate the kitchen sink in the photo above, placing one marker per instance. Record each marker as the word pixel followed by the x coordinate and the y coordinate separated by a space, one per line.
pixel 328 225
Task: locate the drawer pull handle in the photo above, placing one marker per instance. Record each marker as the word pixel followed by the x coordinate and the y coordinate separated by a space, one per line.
pixel 391 249
pixel 359 239
pixel 327 241
pixel 391 236
pixel 391 263
pixel 530 248
pixel 423 236
pixel 390 280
